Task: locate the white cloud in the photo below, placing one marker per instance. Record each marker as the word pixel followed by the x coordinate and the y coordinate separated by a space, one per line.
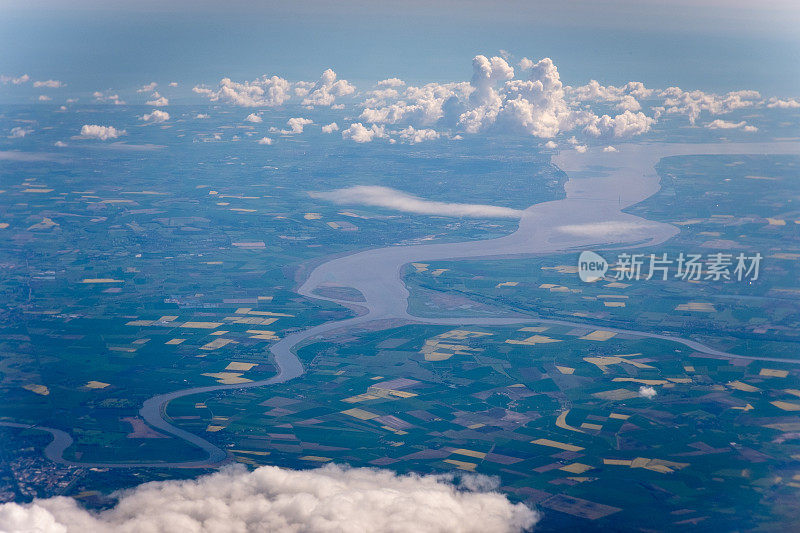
pixel 423 105
pixel 693 103
pixel 789 103
pixel 647 392
pixel 19 132
pixel 157 100
pixel 60 144
pixel 50 84
pixel 173 84
pixel 536 106
pixel 719 124
pixel 494 100
pixel 609 149
pixel 626 95
pixel 412 136
pixel 327 89
pixel 265 91
pixel 297 124
pixel 104 133
pixel 626 124
pixel 269 498
pixel 16 81
pixel 391 82
pixel 550 145
pixel 105 98
pixel 252 117
pixel 201 116
pixel 400 201
pixel 525 63
pixel 330 128
pixel 361 134
pixel 264 140
pixel 44 98
pixel 581 148
pixel 628 103
pixel 156 116
pixel 147 88
pixel 610 229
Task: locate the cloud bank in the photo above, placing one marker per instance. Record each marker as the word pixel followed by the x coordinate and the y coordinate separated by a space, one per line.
pixel 400 201
pixel 325 500
pixel 528 98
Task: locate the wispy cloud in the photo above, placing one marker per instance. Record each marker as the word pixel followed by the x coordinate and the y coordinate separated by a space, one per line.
pixel 400 201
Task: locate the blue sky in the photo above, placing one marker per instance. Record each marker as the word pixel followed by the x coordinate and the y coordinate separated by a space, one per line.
pixel 705 44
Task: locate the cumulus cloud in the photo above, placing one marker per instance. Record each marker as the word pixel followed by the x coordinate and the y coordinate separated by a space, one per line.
pixel 103 133
pixel 423 105
pixel 44 98
pixel 693 103
pixel 400 201
pixel 264 91
pixel 297 124
pixel 156 116
pixel 525 64
pixel 49 84
pixel 647 392
pixel 201 116
pixel 330 128
pixel 391 82
pixel 264 140
pixel 626 96
pixel 327 89
pixel 412 136
pixel 535 103
pixel 15 80
pixel 626 124
pixel 252 117
pixel 789 103
pixel 147 88
pixel 551 145
pixel 359 133
pixel 107 98
pixel 19 132
pixel 609 149
pixel 269 498
pixel 157 100
pixel 535 106
pixel 719 124
pixel 60 144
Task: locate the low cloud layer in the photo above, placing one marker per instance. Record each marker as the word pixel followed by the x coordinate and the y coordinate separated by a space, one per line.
pixel 286 501
pixel 400 201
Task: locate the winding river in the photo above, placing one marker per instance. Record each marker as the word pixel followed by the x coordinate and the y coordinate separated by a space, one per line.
pixel 600 185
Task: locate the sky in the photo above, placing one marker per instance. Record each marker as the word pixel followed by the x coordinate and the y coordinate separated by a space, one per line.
pixel 713 45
